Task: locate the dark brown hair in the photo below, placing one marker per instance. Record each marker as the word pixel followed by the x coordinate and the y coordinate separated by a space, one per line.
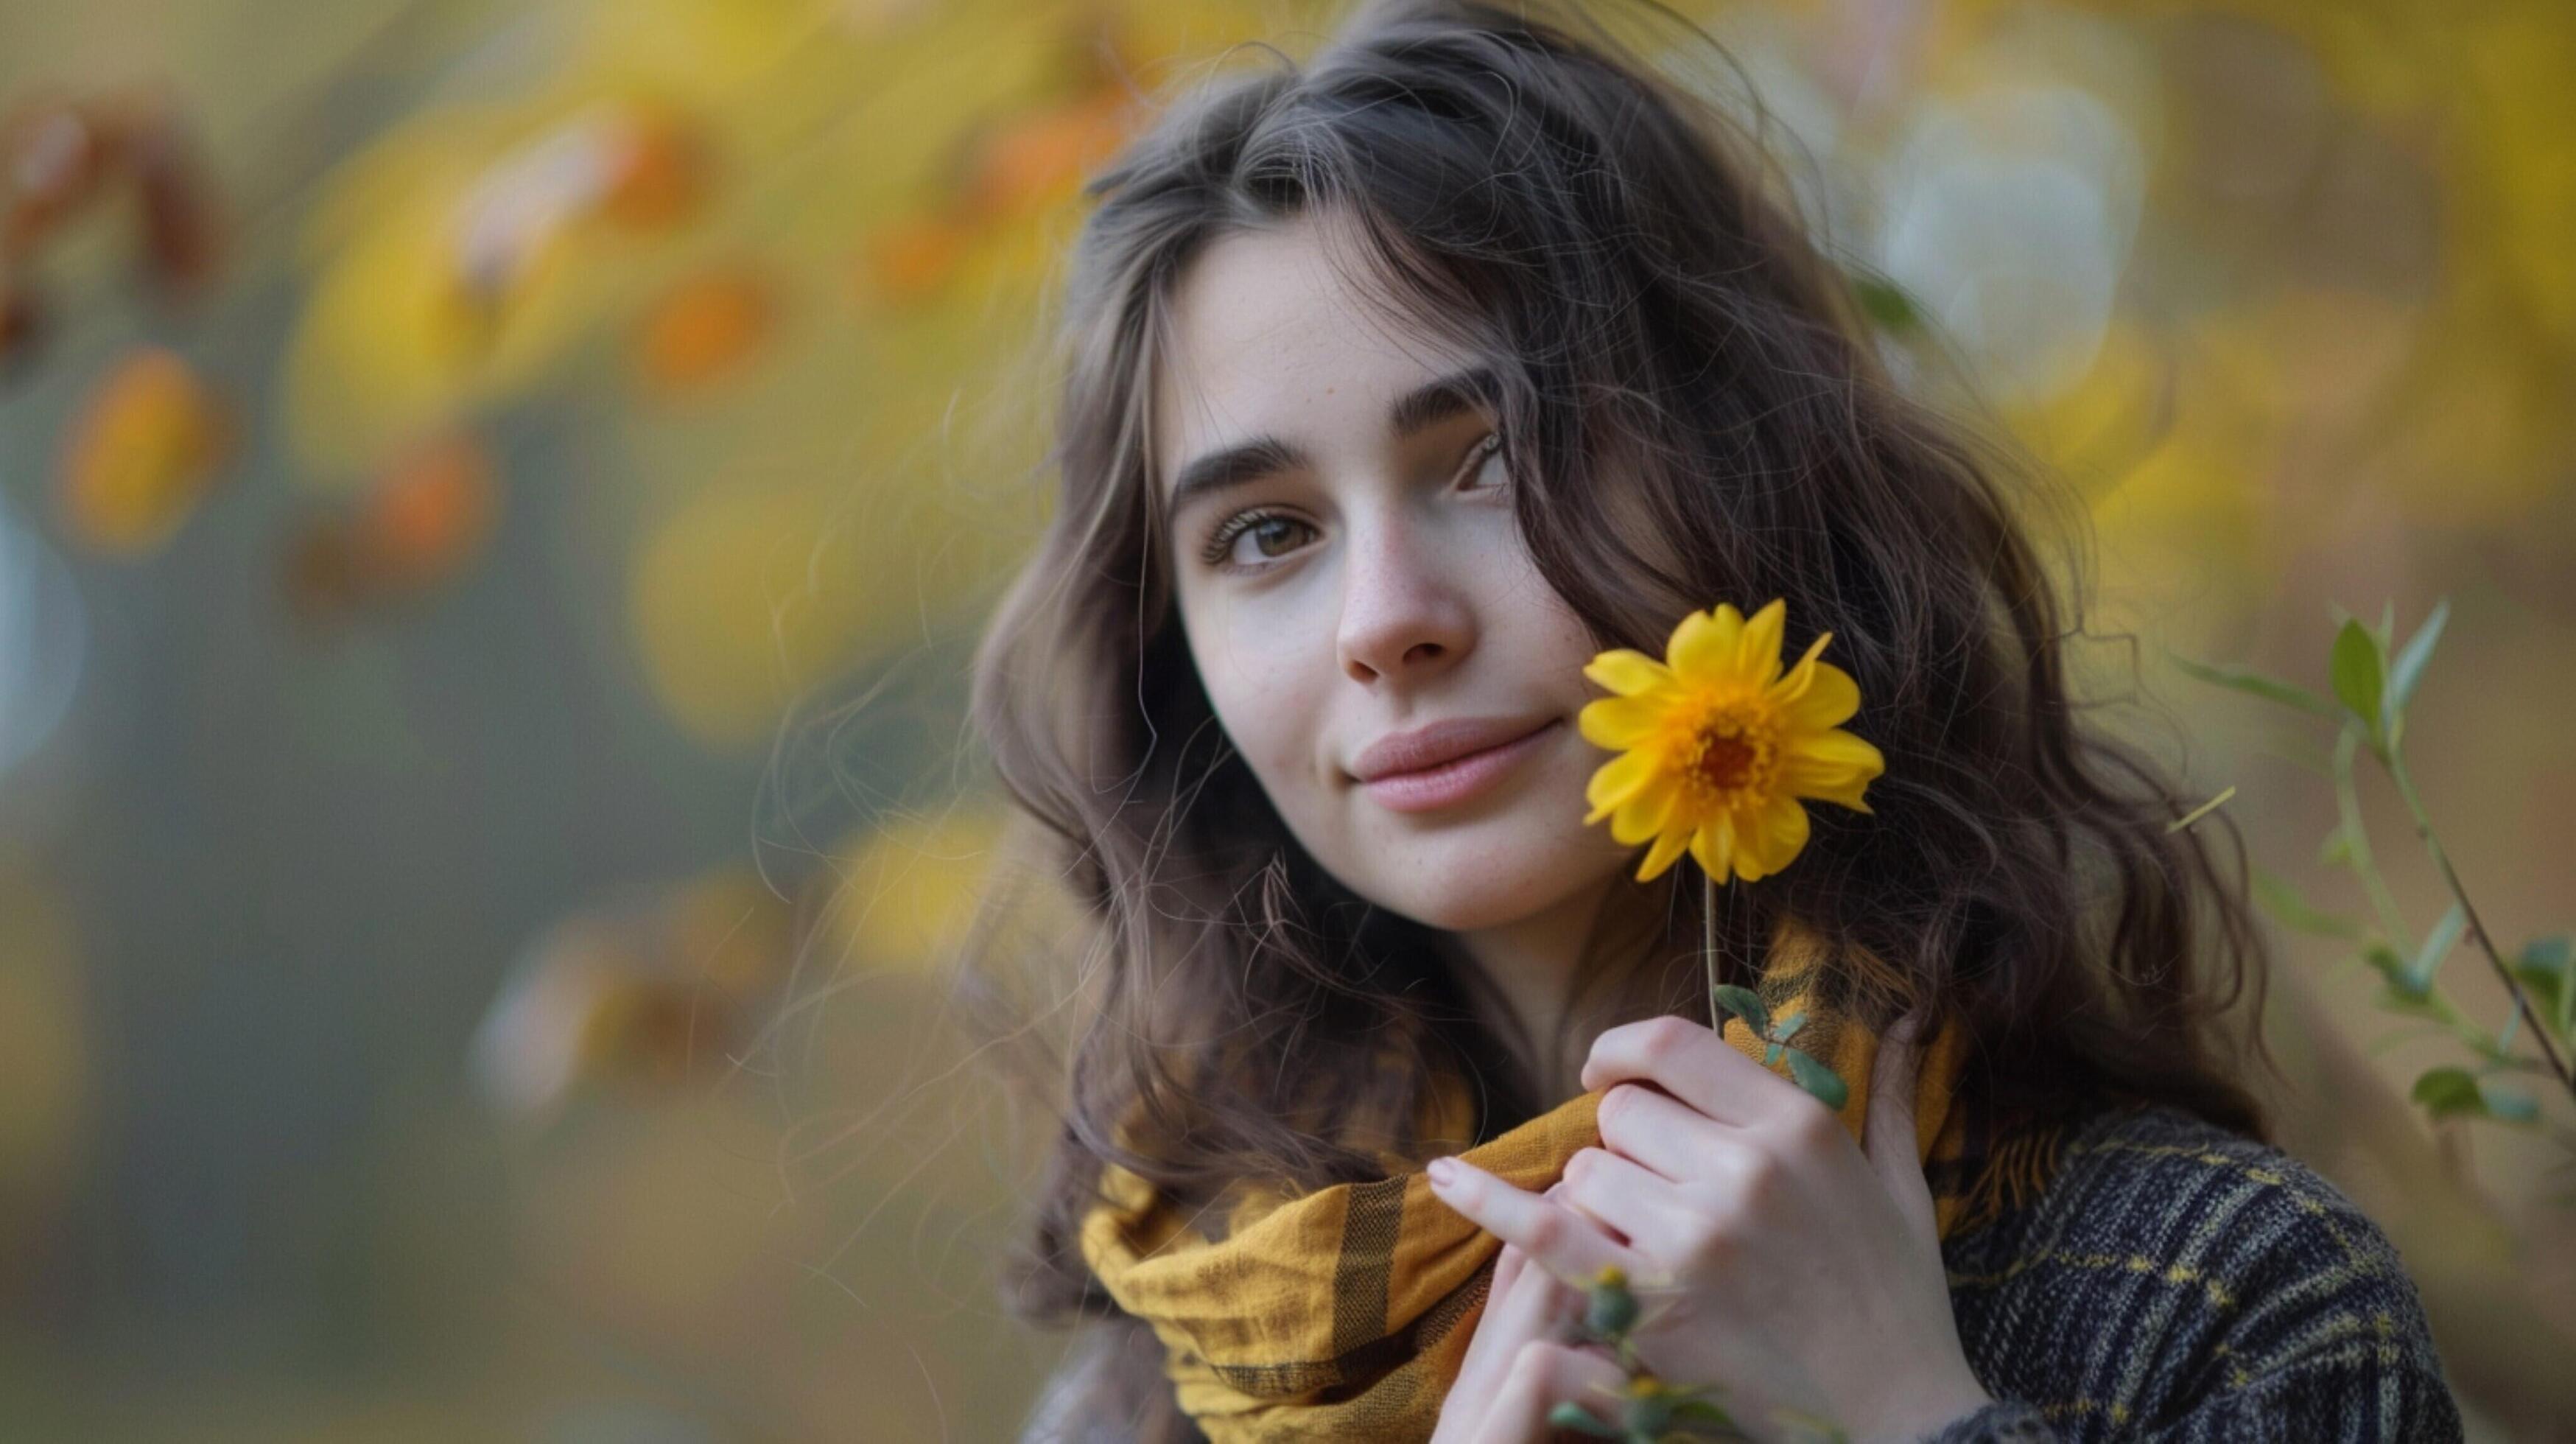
pixel 1693 411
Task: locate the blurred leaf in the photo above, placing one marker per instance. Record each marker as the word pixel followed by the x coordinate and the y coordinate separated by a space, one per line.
pixel 1580 1420
pixel 2283 902
pixel 2357 670
pixel 1771 1055
pixel 1746 1004
pixel 2546 967
pixel 2244 679
pixel 1886 304
pixel 2408 670
pixel 2445 1091
pixel 2401 996
pixel 1819 1080
pixel 2437 946
pixel 2513 1105
pixel 2336 850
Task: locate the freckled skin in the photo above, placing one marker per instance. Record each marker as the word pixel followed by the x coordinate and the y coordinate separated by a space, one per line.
pixel 1398 593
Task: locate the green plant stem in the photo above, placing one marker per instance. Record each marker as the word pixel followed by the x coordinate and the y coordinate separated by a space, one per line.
pixel 2392 923
pixel 2395 762
pixel 1708 945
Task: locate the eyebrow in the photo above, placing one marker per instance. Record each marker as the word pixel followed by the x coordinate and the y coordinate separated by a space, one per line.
pixel 1249 461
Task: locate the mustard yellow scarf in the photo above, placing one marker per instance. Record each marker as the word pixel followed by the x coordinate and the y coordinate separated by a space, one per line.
pixel 1345 1313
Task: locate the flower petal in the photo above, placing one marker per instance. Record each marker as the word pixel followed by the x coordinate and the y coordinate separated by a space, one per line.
pixel 1618 723
pixel 1706 643
pixel 1829 698
pixel 1794 685
pixel 1627 671
pixel 1831 766
pixel 1617 781
pixel 1758 651
pixel 1779 834
pixel 1714 846
pixel 1661 856
pixel 1643 815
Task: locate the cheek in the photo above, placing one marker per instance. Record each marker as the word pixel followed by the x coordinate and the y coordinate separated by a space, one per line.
pixel 1260 680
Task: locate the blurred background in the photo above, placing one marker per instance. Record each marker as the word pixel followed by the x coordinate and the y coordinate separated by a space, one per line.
pixel 496 498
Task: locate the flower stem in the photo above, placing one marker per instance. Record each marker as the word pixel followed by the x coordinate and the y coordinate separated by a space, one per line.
pixel 1708 946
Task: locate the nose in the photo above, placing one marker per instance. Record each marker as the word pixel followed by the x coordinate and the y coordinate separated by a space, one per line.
pixel 1403 613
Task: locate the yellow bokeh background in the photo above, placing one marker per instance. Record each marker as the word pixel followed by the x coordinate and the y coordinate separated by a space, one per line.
pixel 484 800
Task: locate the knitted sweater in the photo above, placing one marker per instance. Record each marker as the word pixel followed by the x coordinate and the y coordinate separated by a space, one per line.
pixel 2173 1282
pixel 2176 1281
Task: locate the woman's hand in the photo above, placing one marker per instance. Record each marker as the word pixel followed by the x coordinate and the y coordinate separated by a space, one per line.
pixel 1772 1256
pixel 1521 1362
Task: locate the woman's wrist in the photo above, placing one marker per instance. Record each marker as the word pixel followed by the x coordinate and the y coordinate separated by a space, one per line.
pixel 1926 1410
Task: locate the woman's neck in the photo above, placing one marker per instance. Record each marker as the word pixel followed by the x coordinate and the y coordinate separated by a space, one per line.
pixel 1528 967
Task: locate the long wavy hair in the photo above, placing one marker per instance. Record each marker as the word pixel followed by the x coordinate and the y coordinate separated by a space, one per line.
pixel 1693 410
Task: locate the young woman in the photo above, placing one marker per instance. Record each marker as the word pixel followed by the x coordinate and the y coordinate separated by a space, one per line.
pixel 1400 384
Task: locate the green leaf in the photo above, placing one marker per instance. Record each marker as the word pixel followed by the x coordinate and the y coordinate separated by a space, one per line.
pixel 1746 1004
pixel 1886 304
pixel 2446 1091
pixel 1819 1080
pixel 2336 850
pixel 1771 1055
pixel 1787 1028
pixel 2437 946
pixel 1703 1412
pixel 2513 1105
pixel 2554 959
pixel 2358 669
pixel 2408 1005
pixel 2408 669
pixel 2283 901
pixel 1580 1420
pixel 2383 960
pixel 2258 684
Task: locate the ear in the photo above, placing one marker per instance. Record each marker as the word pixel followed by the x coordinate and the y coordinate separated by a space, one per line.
pixel 1888 1135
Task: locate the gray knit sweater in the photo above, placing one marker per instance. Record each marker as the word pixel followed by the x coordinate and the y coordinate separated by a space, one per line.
pixel 2176 1281
pixel 2172 1282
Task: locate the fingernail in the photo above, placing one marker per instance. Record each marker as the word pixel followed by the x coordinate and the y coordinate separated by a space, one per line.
pixel 1443 1172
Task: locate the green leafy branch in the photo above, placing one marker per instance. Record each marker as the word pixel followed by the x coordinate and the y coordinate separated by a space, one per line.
pixel 1812 1074
pixel 2374 681
pixel 1726 998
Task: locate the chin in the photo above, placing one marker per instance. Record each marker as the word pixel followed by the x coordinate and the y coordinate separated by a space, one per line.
pixel 1468 889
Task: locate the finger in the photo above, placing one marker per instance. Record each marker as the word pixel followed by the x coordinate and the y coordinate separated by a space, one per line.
pixel 1507 1267
pixel 1556 1238
pixel 1692 1064
pixel 1658 1132
pixel 1544 1375
pixel 1888 1137
pixel 1645 1209
pixel 1521 1305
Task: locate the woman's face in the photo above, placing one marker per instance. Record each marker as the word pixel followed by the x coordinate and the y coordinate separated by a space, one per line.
pixel 1350 574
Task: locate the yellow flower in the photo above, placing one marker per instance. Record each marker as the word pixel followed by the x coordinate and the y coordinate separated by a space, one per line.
pixel 1718 746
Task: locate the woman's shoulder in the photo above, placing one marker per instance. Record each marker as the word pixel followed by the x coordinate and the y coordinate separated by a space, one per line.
pixel 2175 1274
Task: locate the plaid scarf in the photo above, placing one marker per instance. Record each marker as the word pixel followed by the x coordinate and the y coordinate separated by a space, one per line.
pixel 1346 1312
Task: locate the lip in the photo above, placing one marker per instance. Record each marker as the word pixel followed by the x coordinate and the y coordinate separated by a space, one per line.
pixel 1447 762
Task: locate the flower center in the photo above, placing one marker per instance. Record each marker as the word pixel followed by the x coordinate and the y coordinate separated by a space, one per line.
pixel 1727 750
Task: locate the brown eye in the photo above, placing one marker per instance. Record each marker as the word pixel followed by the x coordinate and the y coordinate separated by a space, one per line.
pixel 1276 529
pixel 1273 536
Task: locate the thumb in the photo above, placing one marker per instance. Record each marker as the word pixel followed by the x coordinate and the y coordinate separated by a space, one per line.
pixel 1888 1133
